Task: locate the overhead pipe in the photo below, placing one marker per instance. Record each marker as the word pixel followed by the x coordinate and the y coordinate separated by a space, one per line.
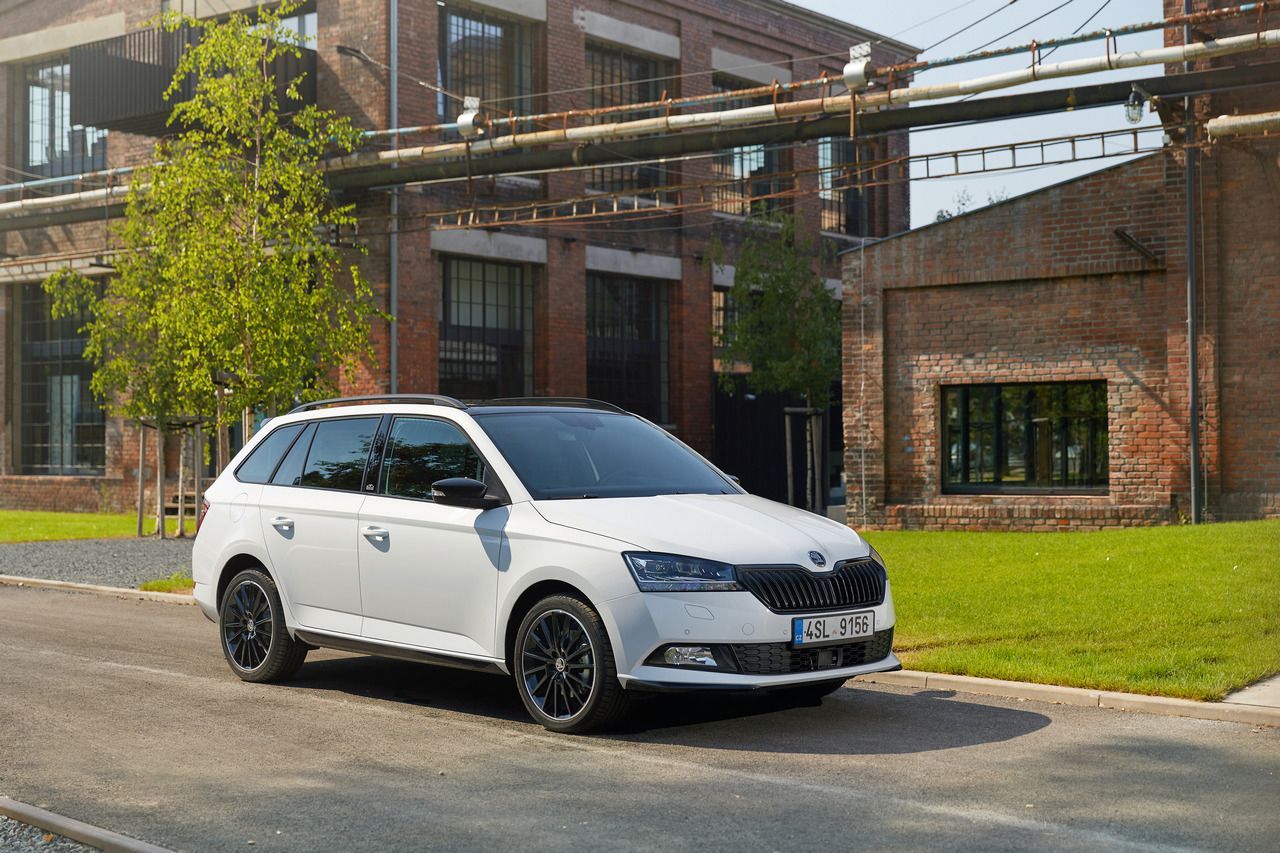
pixel 884 121
pixel 807 108
pixel 1258 123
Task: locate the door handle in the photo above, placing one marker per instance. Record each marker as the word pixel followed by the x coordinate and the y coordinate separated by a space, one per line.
pixel 376 534
pixel 281 523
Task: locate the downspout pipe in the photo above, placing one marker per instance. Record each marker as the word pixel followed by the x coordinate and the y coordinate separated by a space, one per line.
pixel 393 239
pixel 1193 331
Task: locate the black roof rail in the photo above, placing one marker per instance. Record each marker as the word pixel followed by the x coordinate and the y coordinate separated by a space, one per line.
pixel 581 402
pixel 433 399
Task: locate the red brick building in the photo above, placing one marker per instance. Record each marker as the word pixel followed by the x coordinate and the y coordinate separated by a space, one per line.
pixel 589 309
pixel 1025 366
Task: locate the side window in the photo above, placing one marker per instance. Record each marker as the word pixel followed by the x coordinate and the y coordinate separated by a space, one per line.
pixel 420 452
pixel 290 471
pixel 338 454
pixel 262 461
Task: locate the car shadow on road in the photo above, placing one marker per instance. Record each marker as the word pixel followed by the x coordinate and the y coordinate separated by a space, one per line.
pixel 857 719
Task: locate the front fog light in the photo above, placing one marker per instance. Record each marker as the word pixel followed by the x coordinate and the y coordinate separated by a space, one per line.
pixel 689 656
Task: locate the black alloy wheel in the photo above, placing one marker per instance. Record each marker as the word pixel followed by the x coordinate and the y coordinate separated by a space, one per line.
pixel 564 667
pixel 251 624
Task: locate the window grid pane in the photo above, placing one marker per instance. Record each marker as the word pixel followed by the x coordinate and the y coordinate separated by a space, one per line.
pixel 486 330
pixel 842 205
pixel 627 344
pixel 752 173
pixel 489 57
pixel 50 145
pixel 619 77
pixel 1020 436
pixel 63 426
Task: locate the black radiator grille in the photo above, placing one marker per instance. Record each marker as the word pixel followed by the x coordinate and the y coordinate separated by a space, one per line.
pixel 782 659
pixel 853 583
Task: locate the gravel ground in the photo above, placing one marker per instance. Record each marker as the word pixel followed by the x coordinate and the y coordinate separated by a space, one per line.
pixel 23 838
pixel 111 562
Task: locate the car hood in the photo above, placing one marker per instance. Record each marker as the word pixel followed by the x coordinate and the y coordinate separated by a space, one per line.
pixel 738 529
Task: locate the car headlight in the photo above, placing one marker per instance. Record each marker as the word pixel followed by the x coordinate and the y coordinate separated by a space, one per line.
pixel 670 573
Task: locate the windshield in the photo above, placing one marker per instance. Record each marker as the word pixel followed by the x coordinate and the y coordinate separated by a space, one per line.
pixel 562 455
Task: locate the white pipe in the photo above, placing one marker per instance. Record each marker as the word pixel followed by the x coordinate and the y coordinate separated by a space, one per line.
pixel 791 109
pixel 1241 125
pixel 772 112
pixel 56 202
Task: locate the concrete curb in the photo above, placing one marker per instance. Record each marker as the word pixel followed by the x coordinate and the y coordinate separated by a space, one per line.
pixel 117 591
pixel 1225 711
pixel 103 839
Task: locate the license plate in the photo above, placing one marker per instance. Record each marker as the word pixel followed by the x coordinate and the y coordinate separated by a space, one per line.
pixel 823 630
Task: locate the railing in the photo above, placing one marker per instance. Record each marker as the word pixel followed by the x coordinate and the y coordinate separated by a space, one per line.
pixel 119 83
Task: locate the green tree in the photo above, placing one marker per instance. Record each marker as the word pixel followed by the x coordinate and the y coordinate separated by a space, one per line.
pixel 225 264
pixel 786 326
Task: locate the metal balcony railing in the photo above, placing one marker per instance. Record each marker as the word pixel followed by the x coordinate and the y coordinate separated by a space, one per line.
pixel 119 83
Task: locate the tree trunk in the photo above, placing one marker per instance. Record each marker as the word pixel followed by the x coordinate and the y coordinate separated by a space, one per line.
pixel 159 480
pixel 142 464
pixel 197 467
pixel 791 476
pixel 182 484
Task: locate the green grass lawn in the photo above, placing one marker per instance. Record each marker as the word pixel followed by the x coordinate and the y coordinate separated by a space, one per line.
pixel 176 582
pixel 1175 611
pixel 28 526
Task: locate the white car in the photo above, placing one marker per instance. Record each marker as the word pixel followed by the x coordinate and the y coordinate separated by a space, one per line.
pixel 579 548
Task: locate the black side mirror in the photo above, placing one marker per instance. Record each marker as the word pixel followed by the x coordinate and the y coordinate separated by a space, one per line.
pixel 463 491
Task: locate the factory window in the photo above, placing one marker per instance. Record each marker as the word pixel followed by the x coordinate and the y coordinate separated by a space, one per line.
pixel 486 331
pixel 627 344
pixel 616 77
pixel 50 146
pixel 1025 437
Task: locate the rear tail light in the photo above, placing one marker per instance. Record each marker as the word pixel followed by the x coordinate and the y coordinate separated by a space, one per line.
pixel 204 510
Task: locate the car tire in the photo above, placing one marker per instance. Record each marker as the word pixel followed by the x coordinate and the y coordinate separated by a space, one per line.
pixel 817 691
pixel 251 604
pixel 564 667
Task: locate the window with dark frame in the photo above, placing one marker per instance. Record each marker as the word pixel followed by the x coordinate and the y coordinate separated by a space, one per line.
pixel 422 451
pixel 49 145
pixel 487 56
pixel 62 427
pixel 627 344
pixel 486 329
pixel 843 203
pixel 1025 437
pixel 749 178
pixel 618 76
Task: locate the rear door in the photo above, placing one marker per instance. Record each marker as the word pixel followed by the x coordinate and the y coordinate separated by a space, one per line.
pixel 429 572
pixel 310 511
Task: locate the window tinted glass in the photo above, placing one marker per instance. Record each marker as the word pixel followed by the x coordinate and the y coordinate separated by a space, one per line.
pixel 262 461
pixel 420 452
pixel 338 454
pixel 290 471
pixel 581 454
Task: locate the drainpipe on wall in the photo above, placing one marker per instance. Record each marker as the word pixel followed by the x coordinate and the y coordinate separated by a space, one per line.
pixel 393 241
pixel 1193 368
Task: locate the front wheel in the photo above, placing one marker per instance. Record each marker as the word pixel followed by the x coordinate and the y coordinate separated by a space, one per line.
pixel 564 667
pixel 255 641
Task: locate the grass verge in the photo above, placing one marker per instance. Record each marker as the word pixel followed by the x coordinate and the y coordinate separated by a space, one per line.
pixel 179 582
pixel 1173 611
pixel 33 526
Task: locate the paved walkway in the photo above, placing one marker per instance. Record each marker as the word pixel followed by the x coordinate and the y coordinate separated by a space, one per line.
pixel 1265 694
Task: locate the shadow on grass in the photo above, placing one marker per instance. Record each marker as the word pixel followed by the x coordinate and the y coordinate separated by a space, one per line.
pixel 855 720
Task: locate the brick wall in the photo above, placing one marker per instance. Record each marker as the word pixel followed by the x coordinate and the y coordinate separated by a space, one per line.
pixel 361 90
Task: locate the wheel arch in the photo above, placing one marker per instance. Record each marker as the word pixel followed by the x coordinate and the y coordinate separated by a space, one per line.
pixel 525 602
pixel 234 566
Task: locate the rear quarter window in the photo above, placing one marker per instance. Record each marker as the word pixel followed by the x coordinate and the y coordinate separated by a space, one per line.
pixel 264 458
pixel 339 453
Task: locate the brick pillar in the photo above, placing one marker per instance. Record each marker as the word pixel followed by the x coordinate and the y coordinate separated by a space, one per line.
pixel 560 320
pixel 863 376
pixel 692 397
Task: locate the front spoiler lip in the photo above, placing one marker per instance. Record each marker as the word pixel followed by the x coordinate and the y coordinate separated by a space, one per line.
pixel 649 686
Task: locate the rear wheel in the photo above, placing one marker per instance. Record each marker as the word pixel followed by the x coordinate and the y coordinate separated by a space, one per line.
pixel 255 641
pixel 564 667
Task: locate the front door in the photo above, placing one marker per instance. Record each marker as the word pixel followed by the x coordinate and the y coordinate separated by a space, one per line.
pixel 310 511
pixel 429 572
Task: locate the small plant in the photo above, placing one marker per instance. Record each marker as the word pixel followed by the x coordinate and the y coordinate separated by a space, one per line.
pixel 180 581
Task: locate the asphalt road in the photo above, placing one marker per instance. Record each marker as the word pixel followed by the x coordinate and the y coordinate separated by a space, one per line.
pixel 123 714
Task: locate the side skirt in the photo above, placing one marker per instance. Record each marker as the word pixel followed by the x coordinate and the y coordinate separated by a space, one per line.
pixel 368 647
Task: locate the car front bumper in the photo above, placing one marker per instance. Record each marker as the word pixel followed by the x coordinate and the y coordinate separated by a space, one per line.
pixel 741 627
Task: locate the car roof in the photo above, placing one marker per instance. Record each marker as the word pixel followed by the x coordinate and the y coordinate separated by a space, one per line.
pixel 387 402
